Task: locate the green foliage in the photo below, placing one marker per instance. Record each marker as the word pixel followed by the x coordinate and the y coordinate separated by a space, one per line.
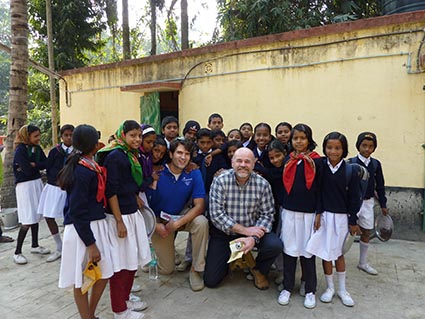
pixel 241 19
pixel 39 112
pixel 77 25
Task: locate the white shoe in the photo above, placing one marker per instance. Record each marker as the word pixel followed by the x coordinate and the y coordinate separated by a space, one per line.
pixel 40 250
pixel 284 297
pixel 302 288
pixel 278 279
pixel 183 265
pixel 136 288
pixel 136 305
pixel 368 269
pixel 328 295
pixel 54 256
pixel 20 259
pixel 128 314
pixel 134 298
pixel 346 298
pixel 310 300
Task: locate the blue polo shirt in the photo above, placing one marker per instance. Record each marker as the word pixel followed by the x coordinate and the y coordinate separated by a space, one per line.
pixel 171 195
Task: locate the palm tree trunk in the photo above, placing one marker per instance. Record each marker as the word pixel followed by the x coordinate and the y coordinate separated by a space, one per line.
pixel 153 26
pixel 184 25
pixel 17 115
pixel 125 31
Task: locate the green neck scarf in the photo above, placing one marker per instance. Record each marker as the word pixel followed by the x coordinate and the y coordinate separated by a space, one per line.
pixel 119 143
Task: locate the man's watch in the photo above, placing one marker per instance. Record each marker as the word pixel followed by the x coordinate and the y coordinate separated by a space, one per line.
pixel 257 239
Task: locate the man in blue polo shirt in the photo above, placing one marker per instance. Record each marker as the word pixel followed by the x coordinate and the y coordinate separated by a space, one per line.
pixel 175 189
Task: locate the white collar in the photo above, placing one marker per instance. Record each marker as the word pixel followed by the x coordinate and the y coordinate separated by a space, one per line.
pixel 335 168
pixel 365 160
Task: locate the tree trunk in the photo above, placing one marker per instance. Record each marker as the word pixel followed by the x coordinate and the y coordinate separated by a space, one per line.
pixel 184 25
pixel 153 27
pixel 125 31
pixel 53 103
pixel 18 98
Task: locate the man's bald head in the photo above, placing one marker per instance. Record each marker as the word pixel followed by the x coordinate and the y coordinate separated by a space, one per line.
pixel 243 162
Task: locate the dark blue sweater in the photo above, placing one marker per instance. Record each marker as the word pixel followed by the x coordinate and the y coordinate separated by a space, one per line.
pixel 207 173
pixel 120 182
pixel 376 180
pixel 274 177
pixel 55 162
pixel 24 155
pixel 336 198
pixel 81 206
pixel 302 199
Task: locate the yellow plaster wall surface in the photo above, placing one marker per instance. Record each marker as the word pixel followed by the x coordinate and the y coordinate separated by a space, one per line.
pixel 348 86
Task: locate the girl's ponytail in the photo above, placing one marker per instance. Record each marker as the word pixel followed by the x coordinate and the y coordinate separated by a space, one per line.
pixel 66 174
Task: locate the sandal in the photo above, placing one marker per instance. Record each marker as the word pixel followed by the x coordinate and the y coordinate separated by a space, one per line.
pixel 6 239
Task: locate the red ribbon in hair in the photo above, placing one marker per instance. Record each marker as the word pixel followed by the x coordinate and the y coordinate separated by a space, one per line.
pixel 101 178
pixel 291 168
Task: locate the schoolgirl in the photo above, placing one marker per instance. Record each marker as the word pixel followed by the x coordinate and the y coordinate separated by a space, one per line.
pixel 52 200
pixel 86 233
pixel 246 131
pixel 145 159
pixel 301 179
pixel 129 241
pixel 234 134
pixel 262 137
pixel 283 132
pixel 341 201
pixel 159 151
pixel 277 153
pixel 28 160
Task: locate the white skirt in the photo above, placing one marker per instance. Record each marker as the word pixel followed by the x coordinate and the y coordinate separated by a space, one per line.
pixel 328 240
pixel 366 214
pixel 133 250
pixel 52 202
pixel 75 255
pixel 296 231
pixel 28 197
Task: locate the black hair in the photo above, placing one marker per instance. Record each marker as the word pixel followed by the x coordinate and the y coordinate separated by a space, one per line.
pixel 160 141
pixel 84 141
pixel 169 119
pixel 278 146
pixel 216 133
pixel 246 123
pixel 234 130
pixel 144 127
pixel 66 127
pixel 283 124
pixel 336 136
pixel 130 125
pixel 307 131
pixel 236 143
pixel 366 136
pixel 262 124
pixel 214 115
pixel 32 128
pixel 187 144
pixel 204 132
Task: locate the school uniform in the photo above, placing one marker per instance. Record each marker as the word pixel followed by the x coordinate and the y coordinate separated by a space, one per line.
pixel 340 203
pixel 28 181
pixel 208 172
pixel 52 200
pixel 299 207
pixel 85 224
pixel 133 250
pixel 376 182
pixel 145 161
pixel 263 162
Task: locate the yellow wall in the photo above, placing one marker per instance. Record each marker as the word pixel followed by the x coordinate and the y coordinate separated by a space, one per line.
pixel 370 90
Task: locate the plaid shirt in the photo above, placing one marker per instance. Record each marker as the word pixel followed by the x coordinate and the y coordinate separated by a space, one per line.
pixel 249 205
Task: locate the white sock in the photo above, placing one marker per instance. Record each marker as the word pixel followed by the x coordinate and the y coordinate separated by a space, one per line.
pixel 363 253
pixel 341 281
pixel 330 281
pixel 58 241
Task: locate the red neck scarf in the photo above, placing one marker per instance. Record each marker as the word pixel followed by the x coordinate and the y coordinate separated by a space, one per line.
pixel 101 177
pixel 291 168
